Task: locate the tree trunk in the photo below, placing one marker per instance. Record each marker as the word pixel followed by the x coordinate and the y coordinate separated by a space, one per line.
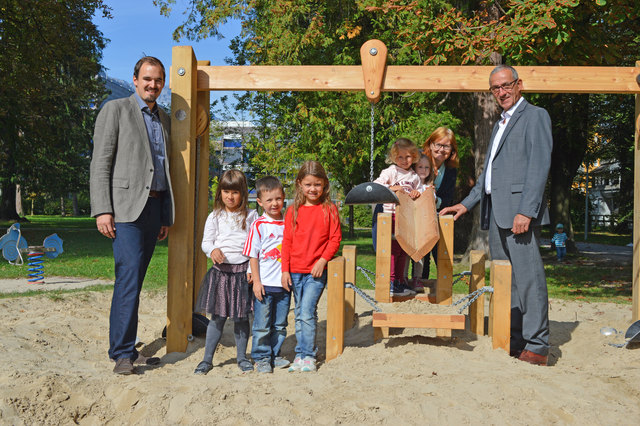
pixel 74 199
pixel 570 124
pixel 62 212
pixel 559 202
pixel 19 209
pixel 485 114
pixel 8 201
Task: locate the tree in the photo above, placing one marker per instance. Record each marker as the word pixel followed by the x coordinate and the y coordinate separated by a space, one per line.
pixel 50 62
pixel 518 32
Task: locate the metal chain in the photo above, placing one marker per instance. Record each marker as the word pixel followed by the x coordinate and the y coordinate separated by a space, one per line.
pixel 367 274
pixel 372 142
pixel 371 301
pixel 472 297
pixel 460 276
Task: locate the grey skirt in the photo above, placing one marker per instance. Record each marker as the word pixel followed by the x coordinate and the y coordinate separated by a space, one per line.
pixel 225 291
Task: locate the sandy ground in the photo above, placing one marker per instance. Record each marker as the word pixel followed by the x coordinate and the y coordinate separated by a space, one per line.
pixel 55 370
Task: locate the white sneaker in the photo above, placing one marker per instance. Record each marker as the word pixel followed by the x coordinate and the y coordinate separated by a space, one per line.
pixel 308 364
pixel 296 365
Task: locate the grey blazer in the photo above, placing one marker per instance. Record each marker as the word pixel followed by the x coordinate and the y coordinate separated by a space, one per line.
pixel 520 168
pixel 121 165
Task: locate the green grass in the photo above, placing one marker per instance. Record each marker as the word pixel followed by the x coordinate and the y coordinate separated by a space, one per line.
pixel 86 252
pixel 89 254
pixel 603 237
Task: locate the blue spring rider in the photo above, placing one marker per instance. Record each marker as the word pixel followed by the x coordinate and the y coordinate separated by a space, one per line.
pixel 13 244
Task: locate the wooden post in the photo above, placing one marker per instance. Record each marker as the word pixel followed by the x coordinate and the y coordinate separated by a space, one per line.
pixel 349 254
pixel 181 236
pixel 444 282
pixel 383 268
pixel 202 195
pixel 500 308
pixel 335 308
pixel 383 258
pixel 476 309
pixel 635 311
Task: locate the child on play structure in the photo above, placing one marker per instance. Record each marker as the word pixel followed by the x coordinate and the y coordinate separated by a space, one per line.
pixel 425 170
pixel 271 300
pixel 312 237
pixel 224 292
pixel 400 176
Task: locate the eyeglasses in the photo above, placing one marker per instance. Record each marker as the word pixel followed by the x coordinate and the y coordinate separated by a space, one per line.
pixel 438 147
pixel 507 87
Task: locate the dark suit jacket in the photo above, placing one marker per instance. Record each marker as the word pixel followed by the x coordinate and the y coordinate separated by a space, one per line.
pixel 122 166
pixel 519 169
pixel 447 188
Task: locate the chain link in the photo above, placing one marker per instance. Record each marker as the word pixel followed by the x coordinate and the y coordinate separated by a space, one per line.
pixel 472 297
pixel 371 301
pixel 460 276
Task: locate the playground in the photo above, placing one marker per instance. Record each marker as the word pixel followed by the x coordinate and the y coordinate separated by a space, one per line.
pixel 55 372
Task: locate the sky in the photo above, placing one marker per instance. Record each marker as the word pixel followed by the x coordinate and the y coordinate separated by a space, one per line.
pixel 137 29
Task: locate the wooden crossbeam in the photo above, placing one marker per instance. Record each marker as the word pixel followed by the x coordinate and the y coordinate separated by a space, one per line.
pixel 400 78
pixel 452 322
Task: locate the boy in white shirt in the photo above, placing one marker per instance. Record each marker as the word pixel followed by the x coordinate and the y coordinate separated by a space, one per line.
pixel 271 301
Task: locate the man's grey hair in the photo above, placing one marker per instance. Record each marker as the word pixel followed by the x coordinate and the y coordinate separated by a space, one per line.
pixel 502 67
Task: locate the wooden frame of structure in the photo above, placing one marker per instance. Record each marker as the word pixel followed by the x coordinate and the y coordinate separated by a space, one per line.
pixel 191 80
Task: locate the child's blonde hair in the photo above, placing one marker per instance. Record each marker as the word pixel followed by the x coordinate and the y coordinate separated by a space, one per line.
pixel 233 180
pixel 403 143
pixel 312 168
pixel 432 171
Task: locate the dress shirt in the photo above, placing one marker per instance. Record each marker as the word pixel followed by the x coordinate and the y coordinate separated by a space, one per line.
pixel 156 143
pixel 505 117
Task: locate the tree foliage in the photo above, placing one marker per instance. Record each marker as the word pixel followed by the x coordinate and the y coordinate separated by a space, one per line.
pixel 334 126
pixel 49 64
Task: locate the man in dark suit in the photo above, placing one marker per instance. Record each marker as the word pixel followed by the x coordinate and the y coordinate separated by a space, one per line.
pixel 511 188
pixel 131 198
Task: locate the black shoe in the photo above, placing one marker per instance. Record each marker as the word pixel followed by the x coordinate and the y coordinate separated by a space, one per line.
pixel 203 368
pixel 143 360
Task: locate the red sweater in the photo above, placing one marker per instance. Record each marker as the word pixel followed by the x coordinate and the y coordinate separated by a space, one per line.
pixel 317 235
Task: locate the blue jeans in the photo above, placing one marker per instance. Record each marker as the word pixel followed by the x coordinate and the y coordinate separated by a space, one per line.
pixel 561 252
pixel 133 247
pixel 306 292
pixel 269 324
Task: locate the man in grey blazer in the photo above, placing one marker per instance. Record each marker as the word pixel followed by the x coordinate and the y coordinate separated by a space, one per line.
pixel 511 188
pixel 131 198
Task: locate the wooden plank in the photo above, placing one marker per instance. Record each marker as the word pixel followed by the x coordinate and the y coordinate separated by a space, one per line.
pixel 202 192
pixel 373 56
pixel 335 308
pixel 501 304
pixel 417 224
pixel 181 236
pixel 455 322
pixel 350 260
pixel 635 310
pixel 383 258
pixel 476 309
pixel 400 78
pixel 380 333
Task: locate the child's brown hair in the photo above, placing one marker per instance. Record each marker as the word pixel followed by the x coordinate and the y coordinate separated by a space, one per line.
pixel 313 168
pixel 233 180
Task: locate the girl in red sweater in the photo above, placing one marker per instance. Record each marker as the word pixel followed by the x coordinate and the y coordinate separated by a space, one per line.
pixel 312 236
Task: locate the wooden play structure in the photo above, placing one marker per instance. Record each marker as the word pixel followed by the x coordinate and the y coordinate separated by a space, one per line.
pixel 341 300
pixel 191 81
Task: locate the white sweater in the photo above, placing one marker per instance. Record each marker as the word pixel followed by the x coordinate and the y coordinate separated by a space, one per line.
pixel 223 230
